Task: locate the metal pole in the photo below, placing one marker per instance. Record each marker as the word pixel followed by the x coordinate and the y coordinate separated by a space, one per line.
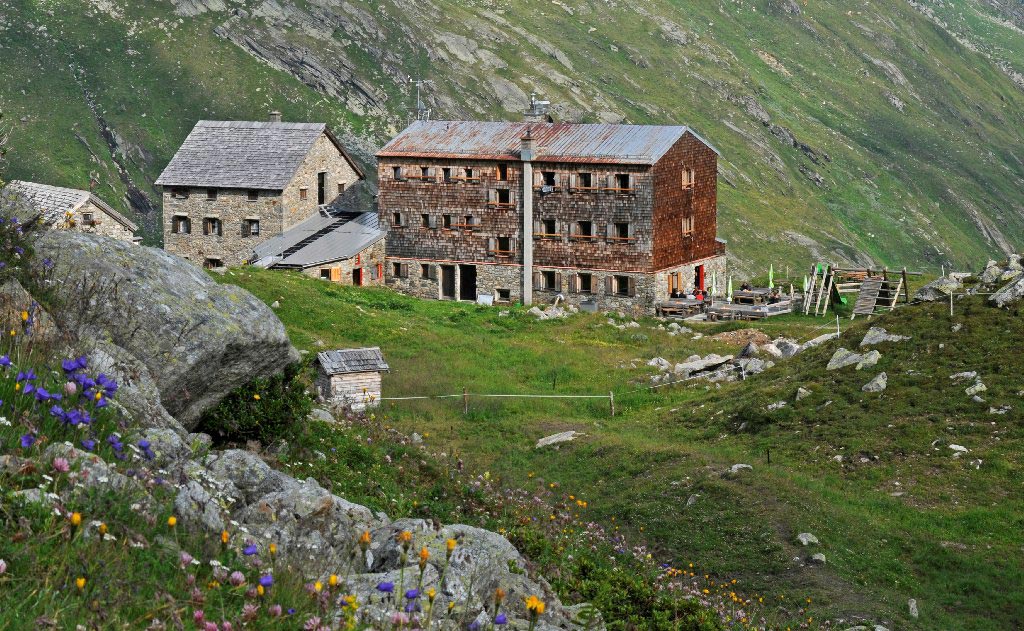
pixel 465 401
pixel 951 304
pixel 526 155
pixel 611 401
pixel 838 332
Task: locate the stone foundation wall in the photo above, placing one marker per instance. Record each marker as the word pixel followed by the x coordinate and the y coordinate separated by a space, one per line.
pixel 715 265
pixel 370 260
pixel 232 207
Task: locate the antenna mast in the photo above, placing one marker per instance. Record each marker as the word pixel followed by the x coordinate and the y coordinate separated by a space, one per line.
pixel 420 112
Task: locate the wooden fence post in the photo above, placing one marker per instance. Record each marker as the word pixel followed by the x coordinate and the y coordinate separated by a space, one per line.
pixel 465 401
pixel 611 402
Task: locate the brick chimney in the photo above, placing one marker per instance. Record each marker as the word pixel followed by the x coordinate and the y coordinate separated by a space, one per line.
pixel 275 117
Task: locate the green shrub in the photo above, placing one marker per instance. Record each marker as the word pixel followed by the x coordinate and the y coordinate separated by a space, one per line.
pixel 265 409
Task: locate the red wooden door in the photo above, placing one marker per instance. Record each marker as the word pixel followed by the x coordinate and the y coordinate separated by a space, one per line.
pixel 698 280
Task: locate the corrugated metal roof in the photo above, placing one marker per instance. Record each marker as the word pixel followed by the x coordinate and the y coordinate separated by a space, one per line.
pixel 350 360
pixel 244 154
pixel 555 142
pixel 54 201
pixel 345 233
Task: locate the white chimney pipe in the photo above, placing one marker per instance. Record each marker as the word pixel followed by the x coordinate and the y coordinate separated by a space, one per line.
pixel 526 155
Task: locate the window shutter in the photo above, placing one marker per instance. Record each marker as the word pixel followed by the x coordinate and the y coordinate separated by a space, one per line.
pixel 432 272
pixel 336 274
pixel 538 227
pixel 404 270
pixel 609 181
pixel 608 288
pixel 492 245
pixel 538 280
pixel 558 281
pixel 631 287
pixel 245 228
pixel 609 230
pixel 430 172
pixel 475 221
pixel 206 226
pixel 572 180
pixel 629 230
pixel 432 222
pixel 574 283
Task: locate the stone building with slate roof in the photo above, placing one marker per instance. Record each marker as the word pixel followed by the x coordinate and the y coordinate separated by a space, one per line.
pixel 351 377
pixel 235 184
pixel 73 209
pixel 617 217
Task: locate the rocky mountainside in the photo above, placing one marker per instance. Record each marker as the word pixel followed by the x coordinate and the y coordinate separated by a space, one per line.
pixel 886 134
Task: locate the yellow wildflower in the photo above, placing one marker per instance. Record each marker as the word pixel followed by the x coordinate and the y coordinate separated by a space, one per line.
pixel 535 606
pixel 80 582
pixel 24 316
pixel 318 586
pixel 172 521
pixel 256 397
pixel 431 594
pixel 273 549
pixel 224 537
pixel 332 580
pixel 76 519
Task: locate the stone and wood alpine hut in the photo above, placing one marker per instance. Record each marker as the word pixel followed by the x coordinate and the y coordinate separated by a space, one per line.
pixel 73 209
pixel 351 377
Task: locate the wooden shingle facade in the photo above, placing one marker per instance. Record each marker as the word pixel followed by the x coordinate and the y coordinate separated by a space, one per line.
pixel 350 377
pixel 619 216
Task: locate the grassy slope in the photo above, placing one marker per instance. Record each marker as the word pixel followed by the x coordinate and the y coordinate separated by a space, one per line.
pixel 896 184
pixel 949 541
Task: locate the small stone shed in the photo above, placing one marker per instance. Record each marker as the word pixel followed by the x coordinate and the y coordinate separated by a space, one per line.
pixel 351 376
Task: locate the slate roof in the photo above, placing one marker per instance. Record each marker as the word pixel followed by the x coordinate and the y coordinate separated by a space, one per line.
pixel 244 154
pixel 341 230
pixel 555 142
pixel 54 201
pixel 351 360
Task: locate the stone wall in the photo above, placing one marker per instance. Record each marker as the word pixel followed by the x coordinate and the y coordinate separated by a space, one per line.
pixel 232 207
pixel 355 390
pixel 715 265
pixel 275 210
pixel 102 223
pixel 370 260
pixel 324 157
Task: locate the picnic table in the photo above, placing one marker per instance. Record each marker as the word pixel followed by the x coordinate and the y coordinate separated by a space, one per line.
pixel 681 307
pixel 755 296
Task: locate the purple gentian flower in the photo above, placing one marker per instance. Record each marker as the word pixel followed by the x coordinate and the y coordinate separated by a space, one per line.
pixel 412 593
pixel 5 361
pixel 29 389
pixel 143 444
pixel 500 619
pixel 89 444
pixel 249 550
pixel 266 581
pixel 57 411
pixel 27 440
pixel 387 587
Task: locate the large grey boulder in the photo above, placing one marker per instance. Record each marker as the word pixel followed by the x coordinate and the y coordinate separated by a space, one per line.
pixel 991 274
pixel 1008 294
pixel 939 289
pixel 198 340
pixel 818 341
pixel 878 384
pixel 842 358
pixel 877 335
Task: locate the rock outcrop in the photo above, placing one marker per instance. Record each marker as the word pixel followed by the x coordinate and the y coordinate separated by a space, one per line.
pixel 198 340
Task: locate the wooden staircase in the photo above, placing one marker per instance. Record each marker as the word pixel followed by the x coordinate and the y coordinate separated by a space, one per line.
pixel 877 295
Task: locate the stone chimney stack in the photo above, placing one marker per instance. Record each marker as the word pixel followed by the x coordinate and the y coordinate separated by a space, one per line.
pixel 275 117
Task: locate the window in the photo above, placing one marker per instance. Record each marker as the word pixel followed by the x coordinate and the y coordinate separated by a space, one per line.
pixel 254 195
pixel 504 295
pixel 504 245
pixel 212 226
pixel 622 181
pixel 584 283
pixel 503 196
pixel 621 285
pixel 424 172
pixel 250 227
pixel 341 188
pixel 424 220
pixel 687 226
pixel 396 219
pixel 585 180
pixel 620 230
pixel 548 280
pixel 179 193
pixel 424 270
pixel 398 268
pixel 396 172
pixel 549 228
pixel 502 172
pixel 325 274
pixel 584 229
pixel 688 178
pixel 211 263
pixel 211 194
pixel 446 222
pixel 548 178
pixel 181 225
pixel 446 174
pixel 303 193
pixel 87 218
pixel 469 173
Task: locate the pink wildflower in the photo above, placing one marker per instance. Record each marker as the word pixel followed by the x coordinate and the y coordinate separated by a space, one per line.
pixel 198 615
pixel 61 465
pixel 237 579
pixel 274 611
pixel 3 566
pixel 185 559
pixel 312 624
pixel 249 611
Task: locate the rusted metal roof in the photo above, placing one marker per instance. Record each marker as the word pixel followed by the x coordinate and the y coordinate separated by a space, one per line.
pixel 554 142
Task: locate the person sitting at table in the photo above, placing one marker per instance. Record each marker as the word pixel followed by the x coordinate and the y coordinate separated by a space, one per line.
pixel 775 296
pixel 746 286
pixel 698 294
